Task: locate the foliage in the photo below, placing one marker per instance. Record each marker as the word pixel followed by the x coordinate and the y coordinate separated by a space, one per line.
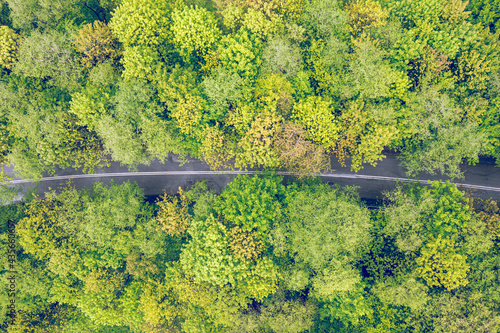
pixel 281 56
pixel 255 147
pixel 142 23
pixel 370 74
pixel 243 244
pixel 282 315
pixel 362 137
pixel 38 231
pixel 194 30
pixel 216 150
pixel 240 53
pixel 274 92
pixel 326 224
pixel 224 90
pixel 49 55
pixel 90 104
pixel 179 90
pixel 96 44
pixel 324 18
pixel 45 134
pixel 440 265
pixel 252 203
pixel 358 76
pixel 318 119
pixel 485 12
pixel 472 68
pixel 122 141
pixel 364 15
pixel 207 256
pixel 437 125
pixel 173 214
pixel 9 42
pixel 297 154
pixel 437 229
pixel 464 312
pixel 99 252
pixel 259 24
pixel 250 84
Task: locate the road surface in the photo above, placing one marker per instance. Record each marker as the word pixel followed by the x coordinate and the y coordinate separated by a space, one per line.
pixel 156 178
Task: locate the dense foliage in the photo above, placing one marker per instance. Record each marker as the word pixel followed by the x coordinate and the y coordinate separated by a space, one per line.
pixel 261 256
pixel 249 83
pixel 268 84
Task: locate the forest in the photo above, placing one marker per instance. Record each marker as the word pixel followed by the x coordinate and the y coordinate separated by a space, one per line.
pixel 263 255
pixel 250 84
pixel 278 84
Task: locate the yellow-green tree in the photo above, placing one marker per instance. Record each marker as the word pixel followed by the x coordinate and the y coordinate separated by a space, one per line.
pixel 256 146
pixel 143 27
pixel 441 266
pixel 142 22
pixel 317 116
pixel 9 46
pixel 365 14
pixel 173 214
pixel 96 44
pixel 194 31
pixel 217 149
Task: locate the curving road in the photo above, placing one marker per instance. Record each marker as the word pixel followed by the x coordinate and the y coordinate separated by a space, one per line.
pixel 483 179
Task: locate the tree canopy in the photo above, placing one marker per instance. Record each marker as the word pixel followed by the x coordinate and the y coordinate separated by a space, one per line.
pixel 264 255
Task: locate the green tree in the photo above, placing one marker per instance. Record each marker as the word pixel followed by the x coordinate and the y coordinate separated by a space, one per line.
pixel 440 265
pixel 437 127
pixel 244 245
pixel 369 73
pixel 58 14
pixel 432 225
pixel 180 92
pixel 49 56
pixel 225 90
pixel 324 18
pixel 91 103
pixel 252 202
pixel 88 240
pixel 241 54
pixel 45 134
pixel 327 64
pixel 326 232
pixel 281 56
pixel 255 148
pixel 485 12
pixel 53 318
pixel 142 23
pixel 365 130
pixel 208 259
pixel 217 150
pixel 216 266
pixel 143 27
pixel 279 314
pixel 122 142
pixel 135 129
pixel 313 211
pixel 455 313
pixel 274 92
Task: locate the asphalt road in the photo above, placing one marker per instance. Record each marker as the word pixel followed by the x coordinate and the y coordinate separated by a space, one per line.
pixel 157 177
